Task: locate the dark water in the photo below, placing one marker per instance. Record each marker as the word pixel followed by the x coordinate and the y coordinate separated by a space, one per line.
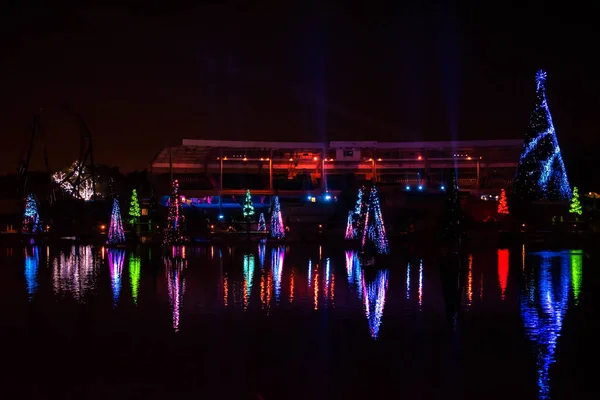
pixel 295 323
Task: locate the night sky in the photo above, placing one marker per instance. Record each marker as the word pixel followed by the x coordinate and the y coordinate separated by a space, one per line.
pixel 144 77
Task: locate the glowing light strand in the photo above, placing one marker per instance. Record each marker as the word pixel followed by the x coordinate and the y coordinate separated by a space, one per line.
pixel 115 266
pixel 174 232
pixel 374 232
pixel 374 294
pixel 262 225
pixel 350 230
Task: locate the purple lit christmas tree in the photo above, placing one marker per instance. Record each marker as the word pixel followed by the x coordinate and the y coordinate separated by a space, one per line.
pixel 541 173
pixel 174 232
pixel 115 231
pixel 277 227
pixel 374 235
pixel 262 224
pixel 350 231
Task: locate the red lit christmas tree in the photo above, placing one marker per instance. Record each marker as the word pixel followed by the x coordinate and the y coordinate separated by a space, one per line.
pixel 502 203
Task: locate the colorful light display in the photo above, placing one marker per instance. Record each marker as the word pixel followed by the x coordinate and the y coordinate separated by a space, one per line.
pixel 248 278
pixel 248 208
pixel 502 203
pixel 350 230
pixel 134 208
pixel 575 207
pixel 68 178
pixel 175 233
pixel 116 257
pixel 277 256
pixel 360 211
pixel 31 217
pixel 74 272
pixel 277 227
pixel 374 232
pixel 374 294
pixel 544 303
pixel 175 286
pixel 262 224
pixel 541 173
pixel 135 270
pixel 32 263
pixel 116 235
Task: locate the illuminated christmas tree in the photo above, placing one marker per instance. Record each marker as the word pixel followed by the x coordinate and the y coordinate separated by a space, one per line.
pixel 262 224
pixel 134 208
pixel 277 227
pixel 115 231
pixel 350 231
pixel 374 233
pixel 360 211
pixel 175 232
pixel 248 209
pixel 502 204
pixel 31 217
pixel 575 203
pixel 541 173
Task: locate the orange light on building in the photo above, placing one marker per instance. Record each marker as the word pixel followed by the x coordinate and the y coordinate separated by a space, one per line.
pixel 315 158
pixel 291 159
pixel 469 158
pixel 262 159
pixel 103 227
pixel 267 158
pixel 224 158
pixel 218 158
pixel 245 159
pixel 379 159
pixel 370 159
pixel 419 158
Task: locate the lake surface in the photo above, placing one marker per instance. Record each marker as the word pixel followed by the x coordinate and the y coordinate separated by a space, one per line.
pixel 297 322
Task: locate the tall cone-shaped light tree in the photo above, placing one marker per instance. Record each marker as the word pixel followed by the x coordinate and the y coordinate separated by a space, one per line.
pixel 175 230
pixel 115 230
pixel 277 228
pixel 502 203
pixel 541 173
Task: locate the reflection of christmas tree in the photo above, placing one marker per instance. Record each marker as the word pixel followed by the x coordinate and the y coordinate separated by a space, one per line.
pixel 262 224
pixel 575 203
pixel 134 208
pixel 248 209
pixel 115 231
pixel 350 231
pixel 277 228
pixel 502 204
pixel 374 232
pixel 174 232
pixel 541 173
pixel 31 217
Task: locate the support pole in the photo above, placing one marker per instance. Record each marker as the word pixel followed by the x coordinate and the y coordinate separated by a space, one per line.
pixel 323 177
pixel 170 166
pixel 478 173
pixel 271 172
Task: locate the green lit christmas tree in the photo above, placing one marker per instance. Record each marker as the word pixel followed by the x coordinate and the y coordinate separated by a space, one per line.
pixel 134 208
pixel 575 203
pixel 248 206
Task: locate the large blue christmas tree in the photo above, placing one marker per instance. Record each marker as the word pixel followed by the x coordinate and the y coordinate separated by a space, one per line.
pixel 541 173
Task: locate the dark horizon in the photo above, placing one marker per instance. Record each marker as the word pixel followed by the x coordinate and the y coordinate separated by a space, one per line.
pixel 143 78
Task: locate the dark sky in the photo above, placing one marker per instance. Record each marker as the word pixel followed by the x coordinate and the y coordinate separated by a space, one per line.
pixel 144 76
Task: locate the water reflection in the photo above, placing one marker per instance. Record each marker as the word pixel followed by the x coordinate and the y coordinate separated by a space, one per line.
pixel 544 303
pixel 576 273
pixel 277 257
pixel 354 271
pixel 74 272
pixel 248 278
pixel 32 262
pixel 134 276
pixel 115 265
pixel 374 294
pixel 503 255
pixel 174 268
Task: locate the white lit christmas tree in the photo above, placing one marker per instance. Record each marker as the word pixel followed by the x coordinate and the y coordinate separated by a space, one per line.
pixel 360 211
pixel 174 232
pixel 541 173
pixel 115 231
pixel 374 234
pixel 277 227
pixel 350 231
pixel 262 224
